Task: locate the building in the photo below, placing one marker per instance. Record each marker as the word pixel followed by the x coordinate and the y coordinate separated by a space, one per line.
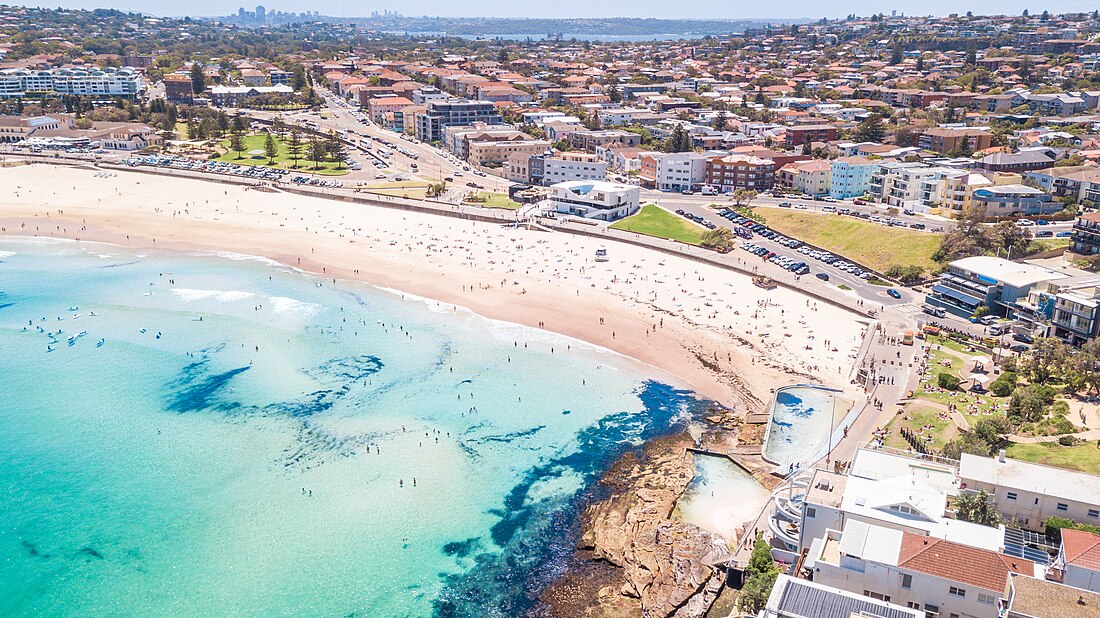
pixel 178 88
pixel 1066 308
pixel 1028 493
pixel 807 177
pixel 16 129
pixel 441 114
pixel 235 96
pixel 545 169
pixel 851 177
pixel 899 184
pixel 590 140
pixel 739 171
pixel 1078 560
pixel 494 152
pixel 125 83
pixel 798 598
pixel 387 111
pixel 1030 597
pixel 594 199
pixel 1014 199
pixel 1023 161
pixel 1086 234
pixel 680 171
pixel 940 577
pixel 990 281
pixel 945 140
pixel 799 135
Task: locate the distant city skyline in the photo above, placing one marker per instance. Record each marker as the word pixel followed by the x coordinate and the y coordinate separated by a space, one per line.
pixel 705 9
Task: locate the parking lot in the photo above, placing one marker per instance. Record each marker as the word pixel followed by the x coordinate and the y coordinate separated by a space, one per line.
pixel 229 169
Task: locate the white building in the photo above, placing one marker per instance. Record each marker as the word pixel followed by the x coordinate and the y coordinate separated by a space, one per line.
pixel 1029 493
pixel 798 598
pixel 681 171
pixel 111 82
pixel 605 201
pixel 568 166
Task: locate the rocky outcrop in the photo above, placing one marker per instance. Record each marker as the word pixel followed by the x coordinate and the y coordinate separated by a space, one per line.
pixel 666 566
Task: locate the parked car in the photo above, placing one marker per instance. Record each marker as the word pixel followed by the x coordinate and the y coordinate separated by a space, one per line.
pixel 1023 338
pixel 784 204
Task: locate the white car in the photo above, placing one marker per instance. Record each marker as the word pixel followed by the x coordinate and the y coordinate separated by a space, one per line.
pixel 1024 222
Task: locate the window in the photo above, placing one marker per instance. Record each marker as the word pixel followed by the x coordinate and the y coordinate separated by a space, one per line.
pixel 912 605
pixel 986 599
pixel 1093 513
pixel 811 511
pixel 907 581
pixel 957 592
pixel 1063 507
pixel 931 611
pixel 877 595
pixel 1011 495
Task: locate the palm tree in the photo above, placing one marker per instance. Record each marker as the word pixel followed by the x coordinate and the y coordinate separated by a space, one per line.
pixel 976 508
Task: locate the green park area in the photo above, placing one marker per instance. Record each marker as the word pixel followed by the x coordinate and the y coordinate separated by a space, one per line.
pixel 496 200
pixel 253 153
pixel 1084 456
pixel 873 245
pixel 655 221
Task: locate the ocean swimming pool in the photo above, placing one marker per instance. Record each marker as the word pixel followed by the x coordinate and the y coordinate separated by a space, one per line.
pixel 802 418
pixel 722 497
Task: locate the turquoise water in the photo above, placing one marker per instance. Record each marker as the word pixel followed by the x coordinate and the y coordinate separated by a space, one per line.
pixel 249 440
pixel 722 497
pixel 801 420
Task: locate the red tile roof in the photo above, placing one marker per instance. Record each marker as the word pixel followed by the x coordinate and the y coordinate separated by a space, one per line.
pixel 1081 548
pixel 960 563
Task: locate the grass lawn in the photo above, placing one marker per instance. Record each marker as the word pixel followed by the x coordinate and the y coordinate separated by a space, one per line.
pixel 1050 244
pixel 654 221
pixel 916 417
pixel 1084 457
pixel 874 245
pixel 497 200
pixel 282 159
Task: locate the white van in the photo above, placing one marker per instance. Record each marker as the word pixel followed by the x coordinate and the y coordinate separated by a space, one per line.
pixel 828 209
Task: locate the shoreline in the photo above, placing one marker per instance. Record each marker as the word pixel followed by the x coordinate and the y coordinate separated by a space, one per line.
pixel 669 339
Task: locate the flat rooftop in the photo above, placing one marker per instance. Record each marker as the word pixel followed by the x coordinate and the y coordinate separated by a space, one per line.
pixel 1035 478
pixel 1039 598
pixel 1014 274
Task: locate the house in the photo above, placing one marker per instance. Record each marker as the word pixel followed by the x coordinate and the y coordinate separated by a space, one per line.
pixel 1078 560
pixel 941 577
pixel 604 201
pixel 234 96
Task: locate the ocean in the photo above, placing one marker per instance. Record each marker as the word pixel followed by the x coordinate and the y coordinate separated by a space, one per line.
pixel 214 434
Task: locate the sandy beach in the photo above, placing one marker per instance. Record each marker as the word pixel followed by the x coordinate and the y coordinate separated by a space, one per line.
pixel 711 328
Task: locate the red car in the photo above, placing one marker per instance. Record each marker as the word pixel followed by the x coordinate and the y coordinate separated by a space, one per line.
pixel 858 202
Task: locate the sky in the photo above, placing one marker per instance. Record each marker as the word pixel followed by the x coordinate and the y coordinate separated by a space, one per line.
pixel 698 9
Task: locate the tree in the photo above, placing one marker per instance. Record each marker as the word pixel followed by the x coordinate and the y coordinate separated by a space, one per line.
pixel 335 149
pixel 278 125
pixel 298 78
pixel 871 130
pixel 236 143
pixel 294 148
pixel 198 78
pixel 947 381
pixel 920 63
pixel 743 196
pixel 971 57
pixel 1004 384
pixel 1029 403
pixel 896 55
pixel 719 238
pixel 760 579
pixel 271 149
pixel 721 122
pixel 1045 358
pixel 315 151
pixel 614 93
pixel 977 508
pixel 1010 237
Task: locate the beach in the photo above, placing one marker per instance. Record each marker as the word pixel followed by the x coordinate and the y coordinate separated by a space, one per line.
pixel 711 328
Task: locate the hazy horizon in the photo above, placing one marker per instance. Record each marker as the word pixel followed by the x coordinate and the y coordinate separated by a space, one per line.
pixel 577 9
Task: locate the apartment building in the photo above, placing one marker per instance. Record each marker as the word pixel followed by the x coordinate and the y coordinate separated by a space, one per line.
pixel 1013 199
pixel 899 184
pixel 1086 234
pixel 551 169
pixel 440 114
pixel 851 177
pixel 799 135
pixel 680 171
pixel 605 201
pixel 387 111
pixel 739 171
pixel 993 282
pixel 808 177
pixel 944 140
pixel 178 88
pixel 1022 161
pixel 124 83
pixel 494 152
pixel 590 140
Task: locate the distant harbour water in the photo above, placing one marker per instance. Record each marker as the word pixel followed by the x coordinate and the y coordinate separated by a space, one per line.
pixel 185 434
pixel 588 36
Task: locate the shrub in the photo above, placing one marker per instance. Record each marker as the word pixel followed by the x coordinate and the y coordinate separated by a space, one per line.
pixel 947 381
pixel 1004 384
pixel 1067 440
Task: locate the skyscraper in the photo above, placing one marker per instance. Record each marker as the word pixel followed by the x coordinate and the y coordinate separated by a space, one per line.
pixel 261 14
